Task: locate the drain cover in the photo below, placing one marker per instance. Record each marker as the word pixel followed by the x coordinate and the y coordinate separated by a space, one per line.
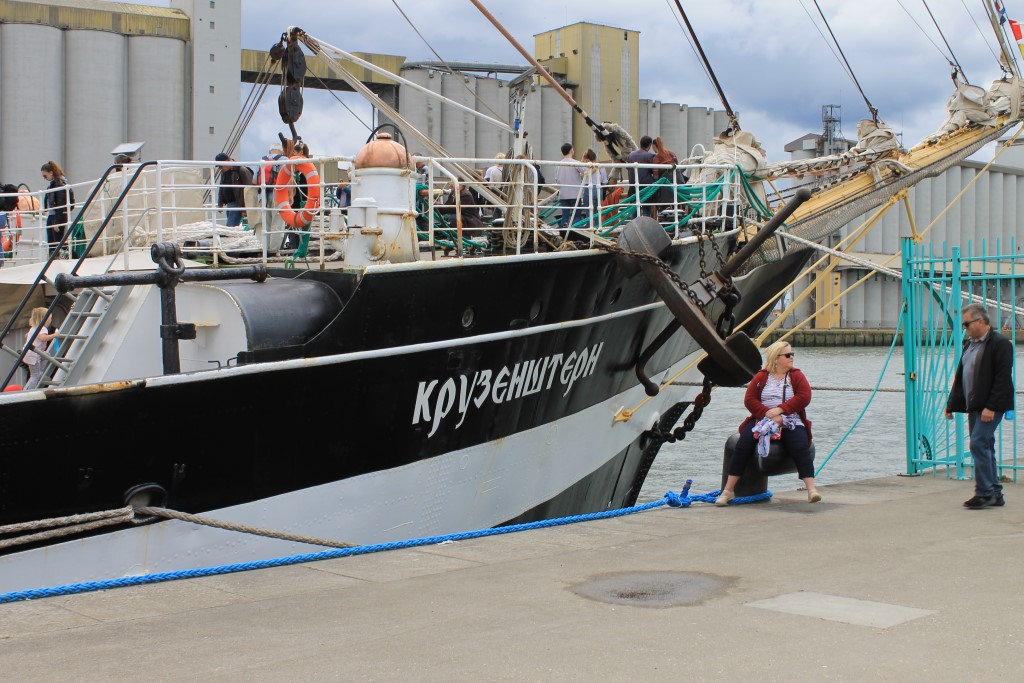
pixel 652 589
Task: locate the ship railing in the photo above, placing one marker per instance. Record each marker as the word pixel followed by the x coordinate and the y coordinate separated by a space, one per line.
pixel 686 197
pixel 24 228
pixel 178 201
pixel 32 292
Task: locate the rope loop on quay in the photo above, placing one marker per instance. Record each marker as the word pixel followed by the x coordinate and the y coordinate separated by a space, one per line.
pixel 672 499
pixel 683 499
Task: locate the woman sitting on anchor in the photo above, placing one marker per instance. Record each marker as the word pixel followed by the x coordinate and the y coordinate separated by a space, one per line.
pixel 780 392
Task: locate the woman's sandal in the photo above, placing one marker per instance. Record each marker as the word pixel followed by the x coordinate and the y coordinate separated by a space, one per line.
pixel 813 496
pixel 724 498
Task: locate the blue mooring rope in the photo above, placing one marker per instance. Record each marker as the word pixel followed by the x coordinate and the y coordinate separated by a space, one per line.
pixel 672 499
pixel 683 499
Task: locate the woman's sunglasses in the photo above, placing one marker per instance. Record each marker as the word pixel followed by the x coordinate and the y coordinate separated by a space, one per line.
pixel 787 355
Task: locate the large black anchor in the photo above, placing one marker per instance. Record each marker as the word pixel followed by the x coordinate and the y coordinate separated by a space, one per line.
pixel 730 362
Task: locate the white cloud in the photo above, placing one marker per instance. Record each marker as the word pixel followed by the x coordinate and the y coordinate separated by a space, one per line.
pixel 773 64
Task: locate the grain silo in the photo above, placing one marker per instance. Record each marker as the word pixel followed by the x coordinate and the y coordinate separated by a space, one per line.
pixel 96 95
pixel 80 77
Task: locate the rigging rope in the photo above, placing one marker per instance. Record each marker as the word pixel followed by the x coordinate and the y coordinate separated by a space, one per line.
pixel 248 109
pixel 934 44
pixel 707 65
pixel 849 69
pixel 984 37
pixel 339 100
pixel 689 40
pixel 823 38
pixel 447 66
pixel 867 404
pixel 943 36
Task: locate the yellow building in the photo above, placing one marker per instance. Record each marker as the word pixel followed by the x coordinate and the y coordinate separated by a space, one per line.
pixel 602 65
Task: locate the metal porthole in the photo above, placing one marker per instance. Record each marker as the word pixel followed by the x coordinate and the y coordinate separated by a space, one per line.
pixel 468 317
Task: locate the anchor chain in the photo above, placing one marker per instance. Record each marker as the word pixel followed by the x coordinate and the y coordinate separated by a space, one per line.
pixel 654 260
pixel 700 254
pixel 718 251
pixel 727 320
pixel 700 401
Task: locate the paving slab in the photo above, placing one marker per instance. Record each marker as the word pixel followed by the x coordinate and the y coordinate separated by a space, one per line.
pixel 841 609
pixel 851 571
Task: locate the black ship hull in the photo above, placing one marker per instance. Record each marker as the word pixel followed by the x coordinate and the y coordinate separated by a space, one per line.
pixel 440 398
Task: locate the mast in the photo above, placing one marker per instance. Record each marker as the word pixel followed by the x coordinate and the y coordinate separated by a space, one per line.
pixel 733 120
pixel 1008 60
pixel 603 134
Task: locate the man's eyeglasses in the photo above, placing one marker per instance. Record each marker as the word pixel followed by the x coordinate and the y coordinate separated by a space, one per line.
pixel 790 354
pixel 968 323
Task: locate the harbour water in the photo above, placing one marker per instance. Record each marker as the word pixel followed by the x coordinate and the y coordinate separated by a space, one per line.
pixel 876 448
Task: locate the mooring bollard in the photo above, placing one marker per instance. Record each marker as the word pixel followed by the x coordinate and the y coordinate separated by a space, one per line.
pixel 754 479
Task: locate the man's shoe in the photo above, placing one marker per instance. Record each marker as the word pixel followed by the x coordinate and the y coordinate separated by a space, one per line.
pixel 1000 501
pixel 979 502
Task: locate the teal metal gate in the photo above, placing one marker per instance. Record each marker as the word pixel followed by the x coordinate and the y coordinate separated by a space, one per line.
pixel 935 289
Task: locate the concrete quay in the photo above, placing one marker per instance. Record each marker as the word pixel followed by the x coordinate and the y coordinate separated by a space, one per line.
pixel 886 580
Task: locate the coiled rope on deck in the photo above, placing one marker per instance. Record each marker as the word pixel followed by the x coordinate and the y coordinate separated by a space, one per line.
pixel 682 499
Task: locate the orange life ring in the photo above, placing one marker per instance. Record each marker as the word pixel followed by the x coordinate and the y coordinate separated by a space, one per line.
pixel 303 217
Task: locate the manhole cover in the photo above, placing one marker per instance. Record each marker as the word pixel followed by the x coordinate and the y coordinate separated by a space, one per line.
pixel 652 589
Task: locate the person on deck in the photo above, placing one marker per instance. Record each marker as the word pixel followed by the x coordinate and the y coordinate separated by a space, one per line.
pixel 640 178
pixel 983 388
pixel 493 173
pixel 37 318
pixel 58 202
pixel 469 209
pixel 233 181
pixel 570 185
pixel 663 155
pixel 595 179
pixel 780 392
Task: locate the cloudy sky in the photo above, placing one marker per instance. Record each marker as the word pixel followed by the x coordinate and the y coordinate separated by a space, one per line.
pixel 773 63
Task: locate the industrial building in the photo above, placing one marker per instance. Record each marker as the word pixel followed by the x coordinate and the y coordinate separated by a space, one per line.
pixel 80 77
pixel 598 65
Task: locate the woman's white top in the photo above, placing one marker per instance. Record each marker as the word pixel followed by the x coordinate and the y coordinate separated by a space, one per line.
pixel 776 392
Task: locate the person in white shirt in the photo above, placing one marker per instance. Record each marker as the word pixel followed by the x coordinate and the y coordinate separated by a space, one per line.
pixel 570 185
pixel 493 174
pixel 594 180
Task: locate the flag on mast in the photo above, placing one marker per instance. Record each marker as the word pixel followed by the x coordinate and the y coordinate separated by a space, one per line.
pixel 1018 35
pixel 1001 10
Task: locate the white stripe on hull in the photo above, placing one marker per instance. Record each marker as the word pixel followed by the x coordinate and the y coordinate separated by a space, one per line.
pixel 473 488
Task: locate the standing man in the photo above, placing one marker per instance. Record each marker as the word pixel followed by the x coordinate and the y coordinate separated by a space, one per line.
pixel 493 173
pixel 640 178
pixel 421 169
pixel 233 181
pixel 983 388
pixel 570 185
